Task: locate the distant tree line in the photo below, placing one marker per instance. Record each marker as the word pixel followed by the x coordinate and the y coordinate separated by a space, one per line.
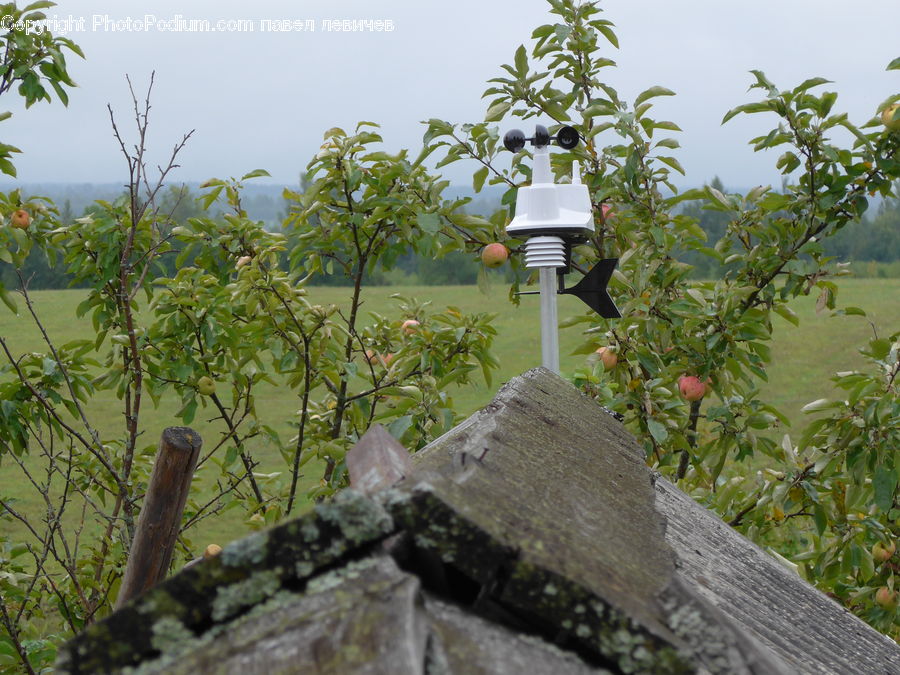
pixel 875 238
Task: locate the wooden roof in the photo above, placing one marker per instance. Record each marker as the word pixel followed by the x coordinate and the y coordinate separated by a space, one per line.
pixel 532 538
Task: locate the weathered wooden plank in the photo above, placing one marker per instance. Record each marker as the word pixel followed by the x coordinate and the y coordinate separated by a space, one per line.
pixel 160 518
pixel 461 642
pixel 544 473
pixel 363 619
pixel 244 574
pixel 377 461
pixel 539 515
pixel 544 498
pixel 544 470
pixel 808 630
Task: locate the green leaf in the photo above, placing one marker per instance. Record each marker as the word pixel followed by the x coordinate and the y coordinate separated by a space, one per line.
pixel 230 455
pixel 810 83
pixel 657 430
pixel 467 221
pixel 562 32
pixel 787 313
pixel 256 173
pixel 479 178
pixel 652 92
pixel 762 82
pixel 674 163
pixel 787 162
pixel 884 484
pixel 718 197
pixel 7 299
pixel 894 65
pixel 484 282
pixel 399 426
pixel 819 404
pixel 63 96
pixel 497 110
pixel 429 222
pixel 588 347
pixel 7 167
pixel 521 61
pixel 670 126
pixel 607 32
pixel 41 4
pixel 188 412
pixel 687 195
pixel 880 348
pixel 747 108
pixel 820 518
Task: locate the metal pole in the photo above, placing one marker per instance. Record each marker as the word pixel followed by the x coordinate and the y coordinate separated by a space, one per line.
pixel 549 323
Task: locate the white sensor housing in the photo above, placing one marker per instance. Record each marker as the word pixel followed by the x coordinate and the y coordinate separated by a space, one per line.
pixel 551 209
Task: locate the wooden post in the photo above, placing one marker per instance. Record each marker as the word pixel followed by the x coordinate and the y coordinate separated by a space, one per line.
pixel 160 518
pixel 377 461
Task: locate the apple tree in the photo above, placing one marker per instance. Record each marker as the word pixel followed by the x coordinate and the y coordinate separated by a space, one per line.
pixel 33 60
pixel 715 332
pixel 363 208
pixel 237 315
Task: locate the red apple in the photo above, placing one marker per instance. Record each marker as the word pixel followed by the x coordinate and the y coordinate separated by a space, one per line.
pixel 608 357
pixel 887 599
pixel 607 211
pixel 494 255
pixel 881 553
pixel 692 388
pixel 409 326
pixel 374 358
pixel 21 219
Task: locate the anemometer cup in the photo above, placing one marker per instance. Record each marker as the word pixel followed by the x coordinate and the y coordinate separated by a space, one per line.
pixel 567 138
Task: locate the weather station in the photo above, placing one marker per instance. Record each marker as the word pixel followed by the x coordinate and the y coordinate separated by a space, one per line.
pixel 553 217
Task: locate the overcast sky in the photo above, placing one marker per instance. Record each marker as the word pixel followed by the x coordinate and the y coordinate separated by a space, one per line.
pixel 262 99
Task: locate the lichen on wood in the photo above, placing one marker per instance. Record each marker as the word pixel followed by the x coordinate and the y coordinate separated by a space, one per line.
pixel 247 571
pixel 342 623
pixel 531 538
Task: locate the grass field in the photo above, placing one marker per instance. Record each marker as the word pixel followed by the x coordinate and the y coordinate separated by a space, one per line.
pixel 803 360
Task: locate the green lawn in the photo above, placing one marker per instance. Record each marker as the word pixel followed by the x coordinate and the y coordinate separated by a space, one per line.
pixel 803 360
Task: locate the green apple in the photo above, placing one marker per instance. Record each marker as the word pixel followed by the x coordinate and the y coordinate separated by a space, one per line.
pixel 206 386
pixel 890 116
pixel 881 553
